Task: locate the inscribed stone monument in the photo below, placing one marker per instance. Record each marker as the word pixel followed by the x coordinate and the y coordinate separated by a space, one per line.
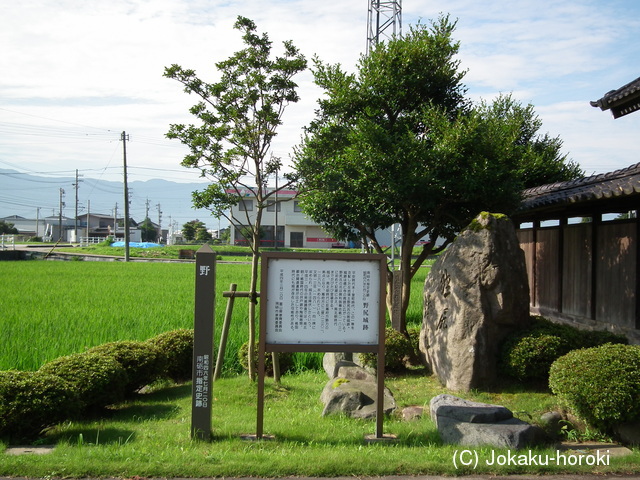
pixel 476 294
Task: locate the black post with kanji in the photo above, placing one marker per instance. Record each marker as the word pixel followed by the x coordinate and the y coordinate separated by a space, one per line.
pixel 203 331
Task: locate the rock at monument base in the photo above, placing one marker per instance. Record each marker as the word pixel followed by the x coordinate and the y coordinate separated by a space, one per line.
pixel 331 360
pixel 512 434
pixel 409 414
pixel 449 406
pixel 475 295
pixel 354 398
pixel 467 423
pixel 352 390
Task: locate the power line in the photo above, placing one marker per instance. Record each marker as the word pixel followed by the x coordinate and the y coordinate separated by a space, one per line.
pixel 59 121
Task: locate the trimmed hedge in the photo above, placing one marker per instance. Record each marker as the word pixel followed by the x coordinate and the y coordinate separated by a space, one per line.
pixel 32 401
pixel 600 384
pixel 176 347
pixel 141 360
pixel 528 355
pixel 100 380
pixel 71 386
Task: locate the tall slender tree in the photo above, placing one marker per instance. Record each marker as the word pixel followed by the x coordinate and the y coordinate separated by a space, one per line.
pixel 237 120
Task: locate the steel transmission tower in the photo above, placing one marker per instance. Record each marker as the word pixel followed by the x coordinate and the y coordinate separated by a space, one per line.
pixel 384 19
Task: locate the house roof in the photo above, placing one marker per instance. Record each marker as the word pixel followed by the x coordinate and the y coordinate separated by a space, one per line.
pixel 622 101
pixel 612 192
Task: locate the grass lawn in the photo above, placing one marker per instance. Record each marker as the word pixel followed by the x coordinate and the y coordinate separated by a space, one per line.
pixel 55 308
pixel 149 437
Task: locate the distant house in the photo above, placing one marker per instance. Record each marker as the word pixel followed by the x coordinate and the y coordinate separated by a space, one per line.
pixel 52 228
pixel 46 227
pixel 582 246
pixel 25 226
pixel 283 223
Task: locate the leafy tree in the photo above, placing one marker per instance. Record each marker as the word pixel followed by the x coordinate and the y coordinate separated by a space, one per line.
pixel 203 235
pixel 238 116
pixel 224 235
pixel 190 230
pixel 398 143
pixel 148 231
pixel 6 227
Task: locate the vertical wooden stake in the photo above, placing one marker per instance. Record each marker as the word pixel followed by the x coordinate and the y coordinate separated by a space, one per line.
pixel 225 331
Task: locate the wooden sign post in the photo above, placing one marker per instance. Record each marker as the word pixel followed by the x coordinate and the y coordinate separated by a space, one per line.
pixel 322 302
pixel 203 328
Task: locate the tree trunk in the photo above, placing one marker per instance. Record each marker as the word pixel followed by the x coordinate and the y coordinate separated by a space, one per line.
pixel 253 290
pixel 253 300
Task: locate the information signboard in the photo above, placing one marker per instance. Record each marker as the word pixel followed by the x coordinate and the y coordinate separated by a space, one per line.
pixel 322 302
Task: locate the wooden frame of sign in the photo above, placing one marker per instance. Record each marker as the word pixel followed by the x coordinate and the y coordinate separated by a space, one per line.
pixel 322 302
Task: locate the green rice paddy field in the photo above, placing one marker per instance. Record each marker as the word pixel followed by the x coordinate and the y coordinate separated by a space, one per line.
pixel 50 309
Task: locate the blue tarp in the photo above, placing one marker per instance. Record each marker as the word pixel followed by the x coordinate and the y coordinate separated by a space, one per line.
pixel 137 244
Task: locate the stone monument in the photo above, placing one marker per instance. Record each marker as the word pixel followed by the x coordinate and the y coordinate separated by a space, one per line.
pixel 476 294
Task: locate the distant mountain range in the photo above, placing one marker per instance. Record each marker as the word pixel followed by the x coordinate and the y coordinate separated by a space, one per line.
pixel 23 194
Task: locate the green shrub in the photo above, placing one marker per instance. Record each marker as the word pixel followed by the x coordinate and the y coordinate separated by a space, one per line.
pixel 600 384
pixel 141 360
pixel 32 401
pixel 99 380
pixel 399 350
pixel 528 355
pixel 176 347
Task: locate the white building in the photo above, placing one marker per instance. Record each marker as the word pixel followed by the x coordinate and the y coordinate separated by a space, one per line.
pixel 283 224
pixel 54 227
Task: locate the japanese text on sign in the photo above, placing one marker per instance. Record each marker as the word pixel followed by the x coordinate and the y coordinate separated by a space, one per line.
pixel 201 386
pixel 330 302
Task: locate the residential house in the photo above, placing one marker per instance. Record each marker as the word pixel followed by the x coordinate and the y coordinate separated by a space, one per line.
pixel 284 224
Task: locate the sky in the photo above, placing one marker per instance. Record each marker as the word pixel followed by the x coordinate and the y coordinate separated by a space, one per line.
pixel 78 73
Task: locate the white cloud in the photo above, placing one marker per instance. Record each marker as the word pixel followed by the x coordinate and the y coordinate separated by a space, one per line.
pixel 99 65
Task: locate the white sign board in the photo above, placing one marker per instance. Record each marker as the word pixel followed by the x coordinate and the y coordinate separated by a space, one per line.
pixel 324 301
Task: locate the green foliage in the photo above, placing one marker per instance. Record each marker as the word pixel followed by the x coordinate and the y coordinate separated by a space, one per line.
pixel 528 355
pixel 600 384
pixel 148 231
pixel 32 401
pixel 7 228
pixel 438 159
pixel 237 119
pixel 99 380
pixel 399 350
pixel 142 361
pixel 176 347
pixel 190 229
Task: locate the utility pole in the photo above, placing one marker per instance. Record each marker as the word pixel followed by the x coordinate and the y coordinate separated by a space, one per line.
pixel 159 222
pixel 115 223
pixel 60 214
pixel 88 214
pixel 125 137
pixel 38 222
pixel 75 224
